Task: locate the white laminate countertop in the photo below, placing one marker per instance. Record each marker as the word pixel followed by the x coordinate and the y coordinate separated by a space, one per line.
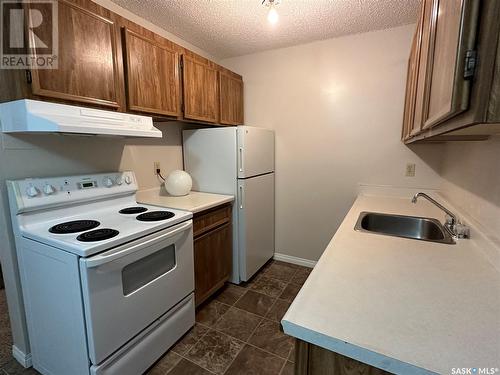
pixel 406 306
pixel 195 201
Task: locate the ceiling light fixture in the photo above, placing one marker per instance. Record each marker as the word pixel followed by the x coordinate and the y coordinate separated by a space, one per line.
pixel 272 15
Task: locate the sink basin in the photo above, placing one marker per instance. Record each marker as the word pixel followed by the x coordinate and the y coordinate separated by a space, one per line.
pixel 416 228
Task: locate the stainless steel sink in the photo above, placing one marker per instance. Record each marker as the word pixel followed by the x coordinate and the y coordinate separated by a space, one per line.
pixel 417 228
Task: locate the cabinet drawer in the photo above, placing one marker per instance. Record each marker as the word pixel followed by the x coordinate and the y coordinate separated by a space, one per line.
pixel 210 219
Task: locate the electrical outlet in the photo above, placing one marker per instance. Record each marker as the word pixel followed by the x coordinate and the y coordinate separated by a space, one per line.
pixel 156 165
pixel 410 170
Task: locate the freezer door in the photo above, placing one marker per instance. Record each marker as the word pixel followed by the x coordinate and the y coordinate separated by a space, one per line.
pixel 255 223
pixel 255 151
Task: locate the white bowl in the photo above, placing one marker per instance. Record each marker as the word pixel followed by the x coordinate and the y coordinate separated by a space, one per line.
pixel 178 183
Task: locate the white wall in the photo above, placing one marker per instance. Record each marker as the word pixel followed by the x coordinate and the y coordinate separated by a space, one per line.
pixel 471 180
pixel 337 107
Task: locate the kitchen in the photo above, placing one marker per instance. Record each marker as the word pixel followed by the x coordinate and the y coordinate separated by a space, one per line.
pixel 336 96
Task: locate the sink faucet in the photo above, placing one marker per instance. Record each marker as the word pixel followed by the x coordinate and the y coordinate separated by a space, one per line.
pixel 452 224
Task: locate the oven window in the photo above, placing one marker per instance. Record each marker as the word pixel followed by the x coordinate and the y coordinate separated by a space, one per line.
pixel 141 272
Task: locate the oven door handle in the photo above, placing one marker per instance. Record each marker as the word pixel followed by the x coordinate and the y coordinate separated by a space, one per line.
pixel 99 260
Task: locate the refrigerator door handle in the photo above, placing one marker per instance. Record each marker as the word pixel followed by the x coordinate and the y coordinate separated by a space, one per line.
pixel 240 159
pixel 241 197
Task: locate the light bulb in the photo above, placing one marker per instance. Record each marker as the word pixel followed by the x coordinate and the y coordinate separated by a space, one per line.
pixel 272 16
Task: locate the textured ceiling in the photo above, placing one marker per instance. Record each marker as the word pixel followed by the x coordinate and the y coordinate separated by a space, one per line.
pixel 227 28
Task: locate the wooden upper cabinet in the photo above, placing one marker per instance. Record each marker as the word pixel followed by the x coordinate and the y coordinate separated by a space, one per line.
pixel 200 92
pixel 87 61
pixel 414 65
pixel 453 25
pixel 231 99
pixel 105 60
pixel 409 108
pixel 453 72
pixel 422 57
pixel 151 75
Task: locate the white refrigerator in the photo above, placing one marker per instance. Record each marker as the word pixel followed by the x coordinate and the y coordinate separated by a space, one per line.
pixel 238 161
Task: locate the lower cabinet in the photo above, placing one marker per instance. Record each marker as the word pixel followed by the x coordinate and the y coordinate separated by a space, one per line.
pixel 213 247
pixel 314 360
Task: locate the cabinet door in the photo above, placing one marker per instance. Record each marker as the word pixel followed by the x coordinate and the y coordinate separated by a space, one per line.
pixel 423 41
pixel 409 109
pixel 212 261
pixel 87 62
pixel 200 90
pixel 231 99
pixel 453 30
pixel 152 75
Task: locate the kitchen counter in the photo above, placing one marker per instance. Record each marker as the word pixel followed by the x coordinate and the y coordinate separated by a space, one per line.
pixel 402 305
pixel 195 201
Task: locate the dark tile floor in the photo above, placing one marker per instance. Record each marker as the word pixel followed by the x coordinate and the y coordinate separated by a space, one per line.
pixel 8 365
pixel 5 334
pixel 236 332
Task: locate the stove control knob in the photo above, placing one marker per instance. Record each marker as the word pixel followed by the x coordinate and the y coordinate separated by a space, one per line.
pixel 48 189
pixel 108 182
pixel 128 180
pixel 119 180
pixel 32 192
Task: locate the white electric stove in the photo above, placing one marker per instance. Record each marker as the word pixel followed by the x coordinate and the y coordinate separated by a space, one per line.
pixel 107 283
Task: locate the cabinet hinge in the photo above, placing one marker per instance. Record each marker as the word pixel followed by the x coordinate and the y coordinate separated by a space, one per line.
pixel 29 79
pixel 470 63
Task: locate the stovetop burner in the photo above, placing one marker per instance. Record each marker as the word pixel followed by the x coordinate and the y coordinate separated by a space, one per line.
pixel 155 216
pixel 74 226
pixel 133 210
pixel 97 235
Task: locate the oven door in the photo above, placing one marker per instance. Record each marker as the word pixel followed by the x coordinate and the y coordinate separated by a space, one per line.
pixel 127 288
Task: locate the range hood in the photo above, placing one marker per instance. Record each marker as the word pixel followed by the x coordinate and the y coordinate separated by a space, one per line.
pixel 33 116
